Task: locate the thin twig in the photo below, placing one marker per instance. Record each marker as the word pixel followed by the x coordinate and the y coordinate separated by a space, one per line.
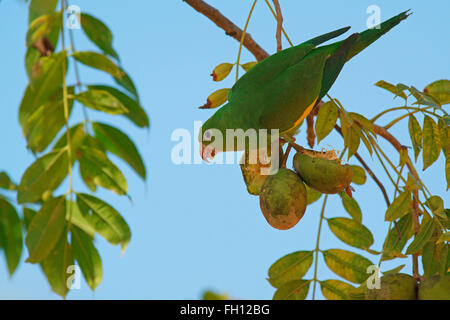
pixel 282 29
pixel 316 250
pixel 241 42
pixel 75 67
pixel 229 27
pixel 286 156
pixel 279 24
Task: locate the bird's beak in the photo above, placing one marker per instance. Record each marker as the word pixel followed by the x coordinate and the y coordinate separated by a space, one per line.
pixel 207 152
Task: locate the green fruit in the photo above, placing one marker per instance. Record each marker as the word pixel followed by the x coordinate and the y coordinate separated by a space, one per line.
pixel 323 175
pixel 253 173
pixel 435 288
pixel 398 286
pixel 283 199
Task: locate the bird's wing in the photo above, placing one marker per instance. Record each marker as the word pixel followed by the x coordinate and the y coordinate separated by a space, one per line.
pixel 271 67
pixel 291 96
pixel 267 70
pixel 335 62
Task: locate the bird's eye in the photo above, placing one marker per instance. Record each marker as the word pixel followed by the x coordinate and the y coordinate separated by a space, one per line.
pixel 207 134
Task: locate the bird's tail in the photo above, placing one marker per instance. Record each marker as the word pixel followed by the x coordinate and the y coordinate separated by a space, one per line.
pixel 369 36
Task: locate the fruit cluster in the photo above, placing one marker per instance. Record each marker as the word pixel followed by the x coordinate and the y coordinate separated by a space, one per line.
pixel 283 195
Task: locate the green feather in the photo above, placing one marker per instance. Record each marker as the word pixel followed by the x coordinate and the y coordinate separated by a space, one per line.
pixel 280 90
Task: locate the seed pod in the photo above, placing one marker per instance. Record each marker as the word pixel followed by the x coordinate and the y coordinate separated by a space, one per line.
pixel 398 286
pixel 255 171
pixel 435 288
pixel 323 175
pixel 283 199
pixel 249 65
pixel 222 71
pixel 216 99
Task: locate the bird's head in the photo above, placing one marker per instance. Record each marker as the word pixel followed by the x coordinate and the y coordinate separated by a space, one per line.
pixel 211 138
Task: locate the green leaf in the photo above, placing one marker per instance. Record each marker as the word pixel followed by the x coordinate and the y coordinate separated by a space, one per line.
pixel 312 195
pixel 351 134
pixel 77 218
pixel 348 265
pixel 101 100
pixel 47 79
pixel 105 219
pixel 127 83
pixel 444 137
pixel 46 121
pixel 395 241
pixel 134 111
pixel 365 123
pixel 10 235
pixel 28 215
pixel 436 204
pixel 118 143
pixel 425 233
pixel 32 56
pixel 447 172
pixel 47 25
pixel 40 7
pixel 351 232
pixel 290 267
pixel 433 256
pixel 211 295
pixel 359 175
pixel 46 173
pixel 415 132
pixel 77 137
pixel 45 229
pixel 97 170
pixel 335 289
pixel 98 61
pixel 399 207
pixel 440 90
pixel 423 99
pixel 351 206
pixel 293 290
pixel 431 142
pixel 326 120
pixel 56 265
pixel 444 237
pixel 362 136
pixel 98 33
pixel 87 257
pixel 6 182
pixel 391 88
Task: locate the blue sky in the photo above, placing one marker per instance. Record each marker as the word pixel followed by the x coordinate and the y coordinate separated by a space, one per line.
pixel 194 227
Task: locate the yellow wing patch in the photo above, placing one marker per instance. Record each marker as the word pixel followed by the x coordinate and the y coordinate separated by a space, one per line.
pixel 303 116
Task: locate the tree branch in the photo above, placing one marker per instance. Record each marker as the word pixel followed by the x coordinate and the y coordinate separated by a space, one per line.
pixel 279 24
pixel 229 27
pixel 260 54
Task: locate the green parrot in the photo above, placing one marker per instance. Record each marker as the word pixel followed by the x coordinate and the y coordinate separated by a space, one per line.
pixel 280 91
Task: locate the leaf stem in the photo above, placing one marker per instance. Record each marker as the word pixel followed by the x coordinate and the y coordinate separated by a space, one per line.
pixel 282 29
pixel 66 115
pixel 396 109
pixel 242 38
pixel 316 250
pixel 393 122
pixel 77 73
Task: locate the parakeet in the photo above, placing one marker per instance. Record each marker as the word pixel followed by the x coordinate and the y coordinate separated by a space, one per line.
pixel 280 91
